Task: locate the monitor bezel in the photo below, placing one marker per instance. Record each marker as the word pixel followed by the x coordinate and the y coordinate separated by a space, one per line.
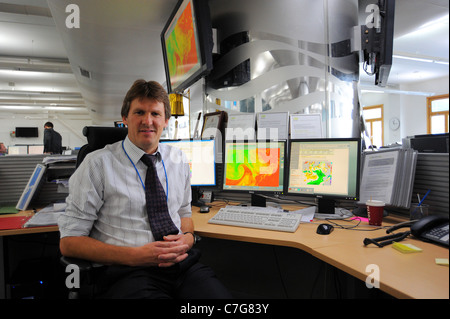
pixel 319 195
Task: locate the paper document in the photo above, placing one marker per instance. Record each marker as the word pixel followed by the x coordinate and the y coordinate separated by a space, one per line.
pixel 307 213
pixel 240 127
pixel 306 126
pixel 378 176
pixel 273 126
pixel 47 216
pixel 58 159
pixel 388 176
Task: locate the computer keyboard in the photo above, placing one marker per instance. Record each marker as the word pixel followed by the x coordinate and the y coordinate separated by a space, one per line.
pixel 257 217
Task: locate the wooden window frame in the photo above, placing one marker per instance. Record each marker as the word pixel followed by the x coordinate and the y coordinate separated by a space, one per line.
pixel 430 114
pixel 371 121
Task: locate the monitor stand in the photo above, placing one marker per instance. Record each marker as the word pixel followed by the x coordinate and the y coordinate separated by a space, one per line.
pixel 258 200
pixel 261 201
pixel 326 209
pixel 196 197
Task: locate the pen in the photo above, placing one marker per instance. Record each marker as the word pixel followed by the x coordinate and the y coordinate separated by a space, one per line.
pixel 420 203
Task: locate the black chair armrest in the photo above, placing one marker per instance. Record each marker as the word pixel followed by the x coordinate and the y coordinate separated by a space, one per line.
pixel 83 265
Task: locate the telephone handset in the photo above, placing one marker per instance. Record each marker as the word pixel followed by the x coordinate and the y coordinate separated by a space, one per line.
pixel 432 228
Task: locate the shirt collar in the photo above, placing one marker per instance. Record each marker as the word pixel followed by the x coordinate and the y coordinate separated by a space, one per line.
pixel 135 153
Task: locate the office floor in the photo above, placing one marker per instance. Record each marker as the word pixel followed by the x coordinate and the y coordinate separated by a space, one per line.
pixel 264 271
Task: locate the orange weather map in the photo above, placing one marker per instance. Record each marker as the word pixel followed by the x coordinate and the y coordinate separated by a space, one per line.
pixel 258 168
pixel 181 48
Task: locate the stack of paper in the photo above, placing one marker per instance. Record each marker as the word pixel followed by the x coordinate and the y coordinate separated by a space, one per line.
pixel 388 176
pixel 47 216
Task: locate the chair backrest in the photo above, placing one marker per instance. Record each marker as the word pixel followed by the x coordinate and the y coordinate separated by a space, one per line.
pixel 98 137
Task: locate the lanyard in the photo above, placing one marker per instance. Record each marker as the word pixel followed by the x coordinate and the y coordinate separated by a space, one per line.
pixel 139 175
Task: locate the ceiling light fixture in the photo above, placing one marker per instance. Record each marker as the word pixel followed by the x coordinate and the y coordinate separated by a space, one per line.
pixel 417 59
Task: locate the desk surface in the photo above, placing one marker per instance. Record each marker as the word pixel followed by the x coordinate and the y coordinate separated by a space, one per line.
pixel 23 231
pixel 413 275
pixel 401 275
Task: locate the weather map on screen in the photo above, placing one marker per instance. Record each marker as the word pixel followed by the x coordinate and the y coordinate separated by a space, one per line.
pixel 182 46
pixel 317 172
pixel 254 166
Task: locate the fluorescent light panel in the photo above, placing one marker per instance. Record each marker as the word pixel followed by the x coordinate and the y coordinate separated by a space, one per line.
pixel 420 59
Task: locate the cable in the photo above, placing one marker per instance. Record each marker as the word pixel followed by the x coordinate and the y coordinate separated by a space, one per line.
pixel 354 227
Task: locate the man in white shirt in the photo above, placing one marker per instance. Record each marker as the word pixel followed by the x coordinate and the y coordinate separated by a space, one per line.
pixel 106 219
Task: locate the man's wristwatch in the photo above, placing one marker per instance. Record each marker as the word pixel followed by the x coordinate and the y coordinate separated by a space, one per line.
pixel 197 238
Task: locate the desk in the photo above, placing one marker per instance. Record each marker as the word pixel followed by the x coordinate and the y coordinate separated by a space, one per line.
pixel 401 275
pixel 13 232
pixel 23 231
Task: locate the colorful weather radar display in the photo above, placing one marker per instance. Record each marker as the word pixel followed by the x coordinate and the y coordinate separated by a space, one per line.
pixel 324 167
pixel 254 166
pixel 182 46
pixel 317 172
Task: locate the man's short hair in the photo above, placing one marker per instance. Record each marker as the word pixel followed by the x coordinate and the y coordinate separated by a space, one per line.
pixel 150 90
pixel 48 124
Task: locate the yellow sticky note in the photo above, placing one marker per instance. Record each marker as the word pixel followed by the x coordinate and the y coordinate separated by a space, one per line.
pixel 406 248
pixel 442 261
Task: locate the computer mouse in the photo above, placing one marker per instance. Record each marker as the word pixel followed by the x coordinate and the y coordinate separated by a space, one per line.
pixel 324 229
pixel 204 209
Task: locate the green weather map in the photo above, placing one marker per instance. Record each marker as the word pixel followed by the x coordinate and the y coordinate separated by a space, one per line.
pixel 317 172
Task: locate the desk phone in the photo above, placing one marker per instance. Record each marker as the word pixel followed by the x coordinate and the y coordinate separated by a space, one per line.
pixel 432 229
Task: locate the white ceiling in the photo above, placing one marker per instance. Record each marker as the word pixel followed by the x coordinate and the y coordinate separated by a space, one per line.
pixel 118 42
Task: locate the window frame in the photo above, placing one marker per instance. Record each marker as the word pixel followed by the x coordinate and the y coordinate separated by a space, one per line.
pixel 371 121
pixel 430 114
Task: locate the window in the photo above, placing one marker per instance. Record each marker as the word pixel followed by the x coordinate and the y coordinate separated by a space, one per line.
pixel 373 116
pixel 437 114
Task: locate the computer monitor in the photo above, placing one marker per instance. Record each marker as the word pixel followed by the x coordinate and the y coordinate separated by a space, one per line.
pixel 201 157
pixel 378 42
pixel 255 167
pixel 328 169
pixel 187 44
pixel 27 132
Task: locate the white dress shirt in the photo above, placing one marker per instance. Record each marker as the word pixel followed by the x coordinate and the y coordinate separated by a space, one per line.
pixel 107 199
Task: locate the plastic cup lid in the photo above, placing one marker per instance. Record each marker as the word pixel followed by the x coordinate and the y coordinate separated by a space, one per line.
pixel 377 203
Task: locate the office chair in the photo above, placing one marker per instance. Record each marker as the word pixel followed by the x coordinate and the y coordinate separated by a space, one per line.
pixel 97 137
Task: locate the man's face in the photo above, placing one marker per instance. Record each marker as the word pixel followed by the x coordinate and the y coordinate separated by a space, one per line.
pixel 146 121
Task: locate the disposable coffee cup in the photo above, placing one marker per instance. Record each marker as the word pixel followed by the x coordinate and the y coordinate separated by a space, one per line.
pixel 375 210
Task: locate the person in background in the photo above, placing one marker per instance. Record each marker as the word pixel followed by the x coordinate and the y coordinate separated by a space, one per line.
pixel 3 149
pixel 52 140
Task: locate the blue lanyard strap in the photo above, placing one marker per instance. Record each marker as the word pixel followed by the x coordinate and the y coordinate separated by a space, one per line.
pixel 139 175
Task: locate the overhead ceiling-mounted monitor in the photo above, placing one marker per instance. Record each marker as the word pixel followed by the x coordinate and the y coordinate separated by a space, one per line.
pixel 378 41
pixel 187 44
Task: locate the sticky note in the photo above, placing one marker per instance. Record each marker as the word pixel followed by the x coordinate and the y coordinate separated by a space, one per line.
pixel 406 248
pixel 442 261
